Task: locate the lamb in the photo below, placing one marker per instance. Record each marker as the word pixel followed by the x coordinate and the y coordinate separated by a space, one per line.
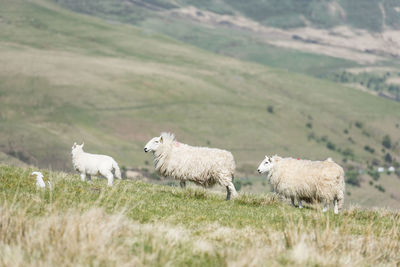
pixel 39 180
pixel 93 164
pixel 202 165
pixel 305 180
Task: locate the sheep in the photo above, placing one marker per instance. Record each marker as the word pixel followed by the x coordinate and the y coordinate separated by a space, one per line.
pixel 202 165
pixel 39 180
pixel 93 164
pixel 306 180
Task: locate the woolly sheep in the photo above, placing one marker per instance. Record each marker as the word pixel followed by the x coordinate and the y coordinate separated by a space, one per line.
pixel 93 164
pixel 306 180
pixel 202 165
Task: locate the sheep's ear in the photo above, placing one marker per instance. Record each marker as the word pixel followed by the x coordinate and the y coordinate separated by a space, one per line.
pixel 161 139
pixel 83 143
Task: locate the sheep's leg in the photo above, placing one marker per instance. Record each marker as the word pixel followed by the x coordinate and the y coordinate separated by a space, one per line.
pixel 325 208
pixel 228 193
pixel 182 184
pixel 230 190
pixel 89 177
pixel 340 200
pixel 292 200
pixel 110 179
pixel 300 204
pixel 109 176
pixel 340 203
pixel 83 176
pixel 335 209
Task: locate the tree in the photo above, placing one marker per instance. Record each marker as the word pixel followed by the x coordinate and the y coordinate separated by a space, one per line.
pixel 387 142
pixel 388 158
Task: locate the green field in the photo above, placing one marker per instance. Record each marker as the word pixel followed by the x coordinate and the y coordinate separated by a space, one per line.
pixel 67 77
pixel 134 223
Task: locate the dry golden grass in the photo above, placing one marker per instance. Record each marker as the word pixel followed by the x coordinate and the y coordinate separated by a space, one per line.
pixel 137 224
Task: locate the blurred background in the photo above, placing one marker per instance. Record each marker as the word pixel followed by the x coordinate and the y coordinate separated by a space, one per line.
pixel 299 78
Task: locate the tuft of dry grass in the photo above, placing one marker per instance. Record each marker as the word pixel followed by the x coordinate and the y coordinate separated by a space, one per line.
pixel 138 224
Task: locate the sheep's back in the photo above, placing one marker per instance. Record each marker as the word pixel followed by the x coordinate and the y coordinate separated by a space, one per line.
pixel 200 164
pixel 308 179
pixel 203 158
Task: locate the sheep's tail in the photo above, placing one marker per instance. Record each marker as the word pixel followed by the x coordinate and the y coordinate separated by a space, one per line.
pixel 117 171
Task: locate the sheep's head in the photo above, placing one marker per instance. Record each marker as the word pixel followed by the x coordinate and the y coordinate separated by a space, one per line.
pixel 37 174
pixel 77 148
pixel 153 144
pixel 266 165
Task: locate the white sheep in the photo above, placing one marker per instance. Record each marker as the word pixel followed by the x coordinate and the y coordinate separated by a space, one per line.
pixel 306 180
pixel 93 164
pixel 39 180
pixel 202 165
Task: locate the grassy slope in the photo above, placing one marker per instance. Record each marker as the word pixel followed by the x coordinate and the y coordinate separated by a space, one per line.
pixel 239 44
pixel 138 224
pixel 67 77
pixel 362 14
pixel 245 45
pixel 249 45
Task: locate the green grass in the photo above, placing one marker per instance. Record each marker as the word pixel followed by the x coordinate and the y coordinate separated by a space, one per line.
pixel 247 46
pixel 79 223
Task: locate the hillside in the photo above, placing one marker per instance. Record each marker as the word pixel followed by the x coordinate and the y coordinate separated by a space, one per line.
pixel 323 39
pixel 67 77
pixel 141 224
pixel 363 14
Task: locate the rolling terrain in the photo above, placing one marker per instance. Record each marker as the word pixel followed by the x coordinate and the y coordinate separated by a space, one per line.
pixel 68 77
pixel 324 39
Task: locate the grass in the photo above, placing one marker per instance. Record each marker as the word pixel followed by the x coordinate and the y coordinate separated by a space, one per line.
pixel 246 46
pixel 68 77
pixel 362 14
pixel 134 223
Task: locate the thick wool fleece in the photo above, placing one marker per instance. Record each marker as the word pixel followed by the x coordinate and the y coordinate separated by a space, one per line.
pixel 307 180
pixel 201 165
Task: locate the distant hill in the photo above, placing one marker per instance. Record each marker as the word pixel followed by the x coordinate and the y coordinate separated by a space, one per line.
pixel 68 77
pixel 370 15
pixel 324 39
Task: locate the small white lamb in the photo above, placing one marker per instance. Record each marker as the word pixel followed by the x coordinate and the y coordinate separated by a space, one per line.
pixel 93 164
pixel 39 180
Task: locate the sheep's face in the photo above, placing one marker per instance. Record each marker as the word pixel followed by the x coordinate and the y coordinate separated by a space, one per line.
pixel 153 144
pixel 265 165
pixel 76 148
pixel 37 174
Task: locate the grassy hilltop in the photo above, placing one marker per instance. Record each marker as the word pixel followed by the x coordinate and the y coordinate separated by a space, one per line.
pixel 68 77
pixel 134 223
